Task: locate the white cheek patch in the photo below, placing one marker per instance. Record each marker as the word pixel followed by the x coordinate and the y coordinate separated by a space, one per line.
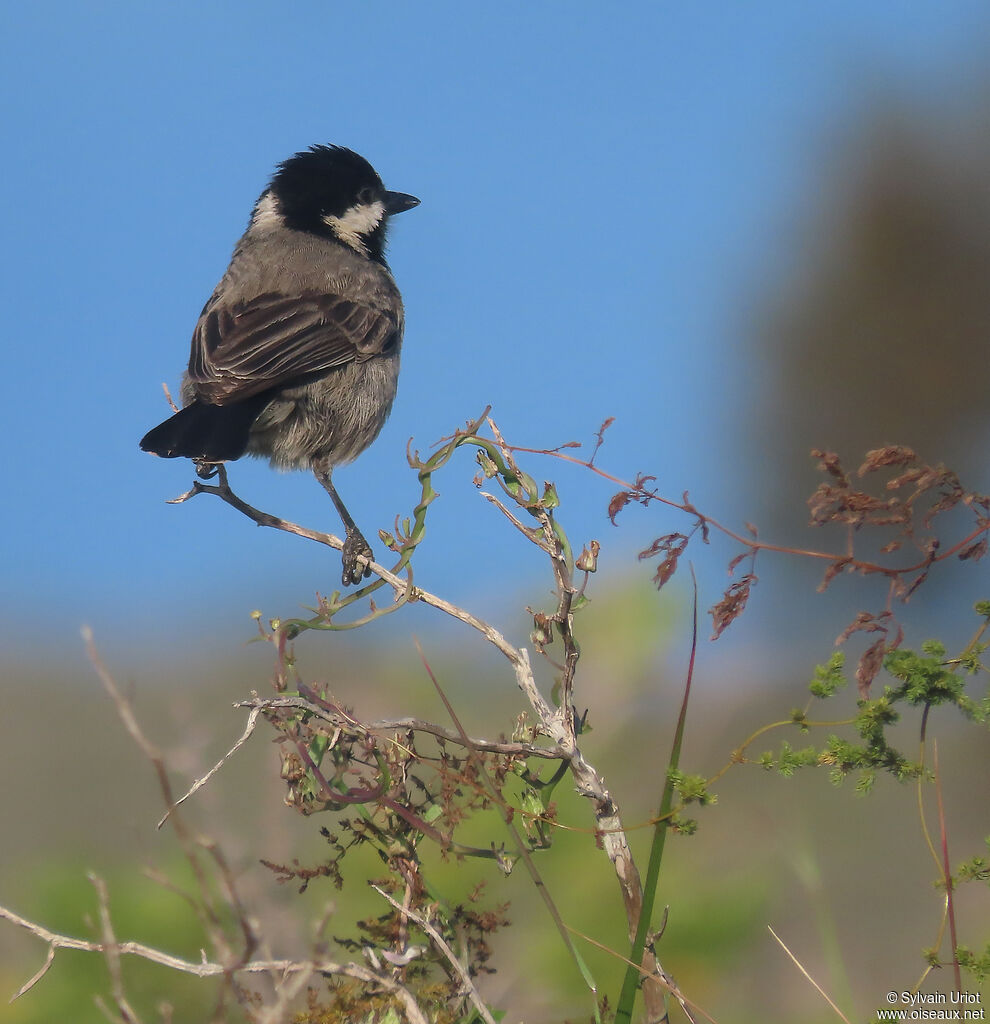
pixel 266 214
pixel 356 224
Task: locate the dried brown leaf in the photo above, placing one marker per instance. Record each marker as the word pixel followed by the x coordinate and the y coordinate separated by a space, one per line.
pixel 869 665
pixel 821 503
pixel 864 622
pixel 889 455
pixel 639 493
pixel 732 604
pixel 843 505
pixel 909 477
pixel 906 592
pixel 665 543
pixel 688 507
pixel 666 569
pixel 618 503
pixel 948 500
pixel 600 438
pixel 833 570
pixel 672 546
pixel 828 462
pixel 974 551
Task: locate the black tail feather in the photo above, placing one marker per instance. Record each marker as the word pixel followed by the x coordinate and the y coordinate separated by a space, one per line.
pixel 213 433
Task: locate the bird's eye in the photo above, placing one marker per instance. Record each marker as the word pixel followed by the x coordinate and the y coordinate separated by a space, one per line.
pixel 366 195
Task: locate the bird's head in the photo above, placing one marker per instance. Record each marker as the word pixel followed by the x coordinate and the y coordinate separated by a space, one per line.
pixel 333 192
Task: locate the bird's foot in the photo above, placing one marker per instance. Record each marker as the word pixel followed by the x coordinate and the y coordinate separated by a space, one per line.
pixel 355 547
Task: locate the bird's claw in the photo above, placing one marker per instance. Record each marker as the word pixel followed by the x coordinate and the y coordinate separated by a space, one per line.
pixel 355 547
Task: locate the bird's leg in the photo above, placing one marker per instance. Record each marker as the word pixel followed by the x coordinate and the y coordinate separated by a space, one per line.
pixel 355 546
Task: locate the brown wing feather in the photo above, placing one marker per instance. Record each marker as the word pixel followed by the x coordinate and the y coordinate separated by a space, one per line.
pixel 241 350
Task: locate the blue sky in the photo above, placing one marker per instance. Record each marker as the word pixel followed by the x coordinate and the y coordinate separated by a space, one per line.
pixel 601 188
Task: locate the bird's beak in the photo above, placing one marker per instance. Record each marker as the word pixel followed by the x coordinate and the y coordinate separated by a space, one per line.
pixel 397 202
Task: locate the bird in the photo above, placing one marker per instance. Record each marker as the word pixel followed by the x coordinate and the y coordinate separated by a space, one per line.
pixel 295 356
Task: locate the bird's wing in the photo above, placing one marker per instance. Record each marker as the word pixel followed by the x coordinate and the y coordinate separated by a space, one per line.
pixel 241 349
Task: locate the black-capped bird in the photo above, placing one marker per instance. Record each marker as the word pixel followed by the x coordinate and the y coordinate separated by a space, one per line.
pixel 295 356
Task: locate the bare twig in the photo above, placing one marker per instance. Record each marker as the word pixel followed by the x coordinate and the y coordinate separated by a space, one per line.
pixel 39 974
pixel 208 915
pixel 199 783
pixel 511 516
pixel 223 491
pixel 800 967
pixel 467 984
pixel 259 704
pixel 659 978
pixel 399 585
pixel 287 991
pixel 111 952
pixel 208 969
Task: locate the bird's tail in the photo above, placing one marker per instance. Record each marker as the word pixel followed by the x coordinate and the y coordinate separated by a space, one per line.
pixel 212 433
